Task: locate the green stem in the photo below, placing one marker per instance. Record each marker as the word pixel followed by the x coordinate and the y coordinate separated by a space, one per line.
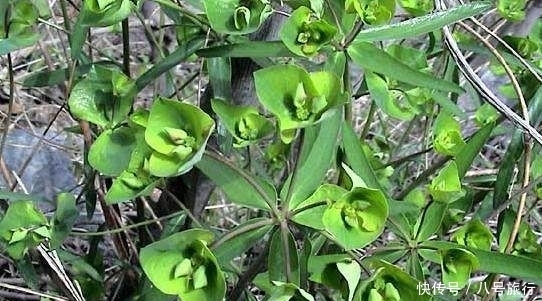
pixel 313 205
pixel 368 120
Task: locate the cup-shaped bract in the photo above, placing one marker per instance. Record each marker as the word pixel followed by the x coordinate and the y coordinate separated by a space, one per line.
pixel 177 132
pixel 298 99
pixel 357 218
pixel 304 35
pixel 183 265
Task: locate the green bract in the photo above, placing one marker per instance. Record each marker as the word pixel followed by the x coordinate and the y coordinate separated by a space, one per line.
pixel 108 153
pixel 372 12
pixel 389 283
pixel 135 179
pixel 287 291
pixel 182 265
pixel 243 122
pixel 237 16
pixel 104 97
pixel 447 135
pixel 23 227
pixel 417 7
pixel 177 133
pixel 304 35
pixel 297 98
pixel 105 12
pixel 357 218
pixel 512 10
pixel 317 204
pixel 446 186
pixel 474 234
pixel 457 264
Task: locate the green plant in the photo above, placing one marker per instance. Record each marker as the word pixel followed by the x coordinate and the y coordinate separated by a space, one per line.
pixel 308 233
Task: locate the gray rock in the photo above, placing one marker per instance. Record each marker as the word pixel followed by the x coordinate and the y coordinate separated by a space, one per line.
pixel 49 170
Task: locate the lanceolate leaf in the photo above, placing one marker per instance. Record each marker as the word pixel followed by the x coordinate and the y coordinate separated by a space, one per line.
pixel 240 187
pixel 356 159
pixel 372 58
pixel 313 169
pixel 248 49
pixel 381 95
pixel 514 151
pixel 471 149
pixel 170 61
pixel 235 246
pixel 421 25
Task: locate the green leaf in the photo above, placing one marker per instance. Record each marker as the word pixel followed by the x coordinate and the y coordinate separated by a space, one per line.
pixel 447 104
pixel 457 265
pixel 351 271
pixel 430 220
pixel 248 49
pixel 21 218
pixel 309 212
pixel 356 158
pixel 236 16
pixel 297 98
pixel 219 69
pixel 65 215
pixel 164 262
pixel 110 152
pixel 303 35
pixel 173 59
pixel 446 186
pixel 357 218
pixel 513 153
pixel 421 25
pixel 371 58
pixel 245 123
pixel 384 99
pixel 104 97
pixel 474 234
pixel 17 42
pixel 470 151
pixel 52 78
pixel 240 187
pixel 237 245
pixel 447 139
pixel 313 168
pixel 281 248
pixel 178 133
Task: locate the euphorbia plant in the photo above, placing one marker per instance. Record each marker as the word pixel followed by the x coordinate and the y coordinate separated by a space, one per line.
pixel 331 211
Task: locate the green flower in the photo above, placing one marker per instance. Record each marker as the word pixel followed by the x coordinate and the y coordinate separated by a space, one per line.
pixel 357 218
pixel 304 35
